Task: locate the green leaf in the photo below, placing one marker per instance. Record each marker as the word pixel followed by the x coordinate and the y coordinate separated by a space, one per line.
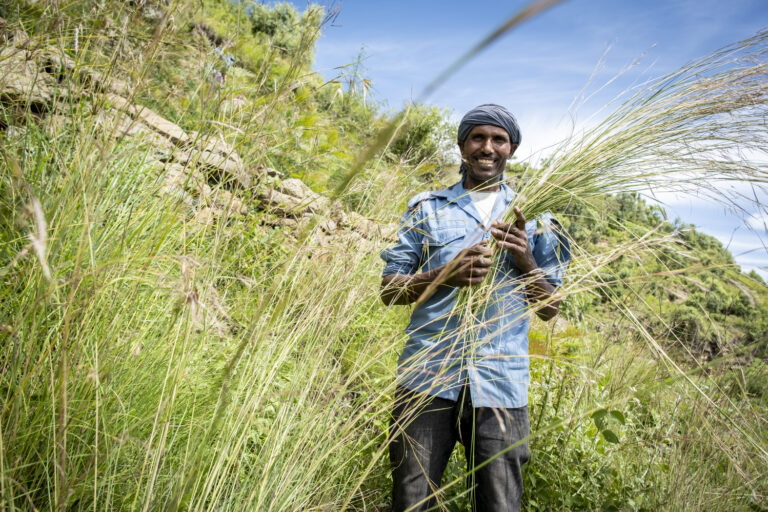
pixel 599 418
pixel 609 436
pixel 619 417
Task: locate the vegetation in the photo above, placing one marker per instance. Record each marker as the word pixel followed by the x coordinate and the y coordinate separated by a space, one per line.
pixel 157 359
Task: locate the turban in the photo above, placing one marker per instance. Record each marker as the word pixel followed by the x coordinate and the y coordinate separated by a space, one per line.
pixel 494 115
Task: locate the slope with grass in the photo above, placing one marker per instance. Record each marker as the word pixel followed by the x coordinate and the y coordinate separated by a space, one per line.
pixel 187 325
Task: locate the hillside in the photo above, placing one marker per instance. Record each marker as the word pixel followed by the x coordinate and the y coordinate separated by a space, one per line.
pixel 190 317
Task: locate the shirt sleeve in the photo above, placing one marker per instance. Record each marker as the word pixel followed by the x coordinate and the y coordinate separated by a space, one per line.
pixel 405 256
pixel 551 249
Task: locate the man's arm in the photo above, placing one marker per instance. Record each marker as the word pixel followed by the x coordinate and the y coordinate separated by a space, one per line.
pixel 467 269
pixel 513 238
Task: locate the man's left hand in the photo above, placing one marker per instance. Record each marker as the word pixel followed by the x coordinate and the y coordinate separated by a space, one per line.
pixel 513 238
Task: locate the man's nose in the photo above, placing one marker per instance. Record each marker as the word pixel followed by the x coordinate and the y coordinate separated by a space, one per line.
pixel 488 145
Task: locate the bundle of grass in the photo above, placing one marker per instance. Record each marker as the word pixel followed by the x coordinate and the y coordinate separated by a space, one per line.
pixel 700 125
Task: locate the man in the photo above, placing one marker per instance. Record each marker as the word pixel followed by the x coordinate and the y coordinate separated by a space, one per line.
pixel 462 380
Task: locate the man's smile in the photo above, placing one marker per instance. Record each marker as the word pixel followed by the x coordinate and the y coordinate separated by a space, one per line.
pixel 489 162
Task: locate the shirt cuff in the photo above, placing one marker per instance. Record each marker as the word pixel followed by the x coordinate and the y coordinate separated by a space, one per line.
pixel 394 267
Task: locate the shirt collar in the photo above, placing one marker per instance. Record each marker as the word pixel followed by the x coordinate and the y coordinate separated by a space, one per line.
pixel 460 196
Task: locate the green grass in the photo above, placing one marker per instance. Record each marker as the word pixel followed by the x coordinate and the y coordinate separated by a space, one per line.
pixel 160 363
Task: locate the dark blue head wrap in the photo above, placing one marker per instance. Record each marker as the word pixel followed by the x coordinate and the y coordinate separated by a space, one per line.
pixel 495 115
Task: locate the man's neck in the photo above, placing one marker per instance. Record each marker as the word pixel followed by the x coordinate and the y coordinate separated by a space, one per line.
pixel 486 186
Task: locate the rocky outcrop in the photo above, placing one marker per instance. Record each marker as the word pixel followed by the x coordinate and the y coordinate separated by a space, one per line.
pixel 202 171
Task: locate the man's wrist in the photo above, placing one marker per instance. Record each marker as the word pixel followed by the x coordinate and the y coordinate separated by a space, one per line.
pixel 534 272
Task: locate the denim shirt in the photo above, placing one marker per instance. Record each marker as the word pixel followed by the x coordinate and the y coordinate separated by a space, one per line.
pixel 491 354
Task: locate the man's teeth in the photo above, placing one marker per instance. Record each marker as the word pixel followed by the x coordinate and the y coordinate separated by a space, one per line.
pixel 485 160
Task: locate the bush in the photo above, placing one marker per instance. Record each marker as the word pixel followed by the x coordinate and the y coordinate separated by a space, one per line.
pixel 425 138
pixel 285 29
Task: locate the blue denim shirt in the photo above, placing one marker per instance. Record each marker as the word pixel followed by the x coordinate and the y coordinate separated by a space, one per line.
pixel 492 355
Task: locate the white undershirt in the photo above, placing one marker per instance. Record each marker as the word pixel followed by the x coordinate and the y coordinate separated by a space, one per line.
pixel 484 201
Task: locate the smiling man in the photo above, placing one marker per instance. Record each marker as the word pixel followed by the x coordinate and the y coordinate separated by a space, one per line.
pixel 468 383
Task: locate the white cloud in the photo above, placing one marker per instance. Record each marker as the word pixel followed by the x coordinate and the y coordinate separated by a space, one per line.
pixel 759 221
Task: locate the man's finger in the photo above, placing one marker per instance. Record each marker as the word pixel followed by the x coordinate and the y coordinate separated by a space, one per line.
pixel 482 262
pixel 520 222
pixel 480 249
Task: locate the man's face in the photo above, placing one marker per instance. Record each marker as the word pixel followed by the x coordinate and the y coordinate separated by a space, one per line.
pixel 485 152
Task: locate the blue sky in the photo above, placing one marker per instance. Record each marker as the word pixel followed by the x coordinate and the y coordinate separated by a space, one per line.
pixel 539 68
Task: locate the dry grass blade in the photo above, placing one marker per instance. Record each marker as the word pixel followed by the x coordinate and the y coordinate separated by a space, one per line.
pixel 516 19
pixel 39 237
pixel 386 133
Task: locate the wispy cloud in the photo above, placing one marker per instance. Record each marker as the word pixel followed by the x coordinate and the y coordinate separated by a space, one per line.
pixel 758 222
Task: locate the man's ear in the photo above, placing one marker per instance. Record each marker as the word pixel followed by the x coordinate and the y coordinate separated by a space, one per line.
pixel 460 143
pixel 514 148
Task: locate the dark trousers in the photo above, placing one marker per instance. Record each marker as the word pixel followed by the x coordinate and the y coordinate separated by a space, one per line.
pixel 424 432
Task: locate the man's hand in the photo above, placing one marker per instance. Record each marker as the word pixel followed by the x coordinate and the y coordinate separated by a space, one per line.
pixel 513 238
pixel 470 267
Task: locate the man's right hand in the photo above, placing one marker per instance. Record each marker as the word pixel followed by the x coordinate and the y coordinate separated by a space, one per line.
pixel 470 267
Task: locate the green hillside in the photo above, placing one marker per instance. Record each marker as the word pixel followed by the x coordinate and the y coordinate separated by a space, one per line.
pixel 189 298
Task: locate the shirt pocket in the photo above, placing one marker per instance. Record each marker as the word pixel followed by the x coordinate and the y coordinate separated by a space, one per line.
pixel 441 246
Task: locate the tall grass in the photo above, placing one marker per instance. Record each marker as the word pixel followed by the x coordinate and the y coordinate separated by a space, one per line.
pixel 161 363
pixel 152 361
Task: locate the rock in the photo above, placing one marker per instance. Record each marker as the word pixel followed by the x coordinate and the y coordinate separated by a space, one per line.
pixel 282 222
pixel 174 180
pixel 57 63
pixel 307 198
pixel 268 171
pixel 328 225
pixel 224 200
pixel 151 119
pixel 121 125
pixel 219 156
pixel 61 65
pixel 105 83
pixel 293 198
pixel 22 83
pixel 279 203
pixel 224 169
pixel 204 216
